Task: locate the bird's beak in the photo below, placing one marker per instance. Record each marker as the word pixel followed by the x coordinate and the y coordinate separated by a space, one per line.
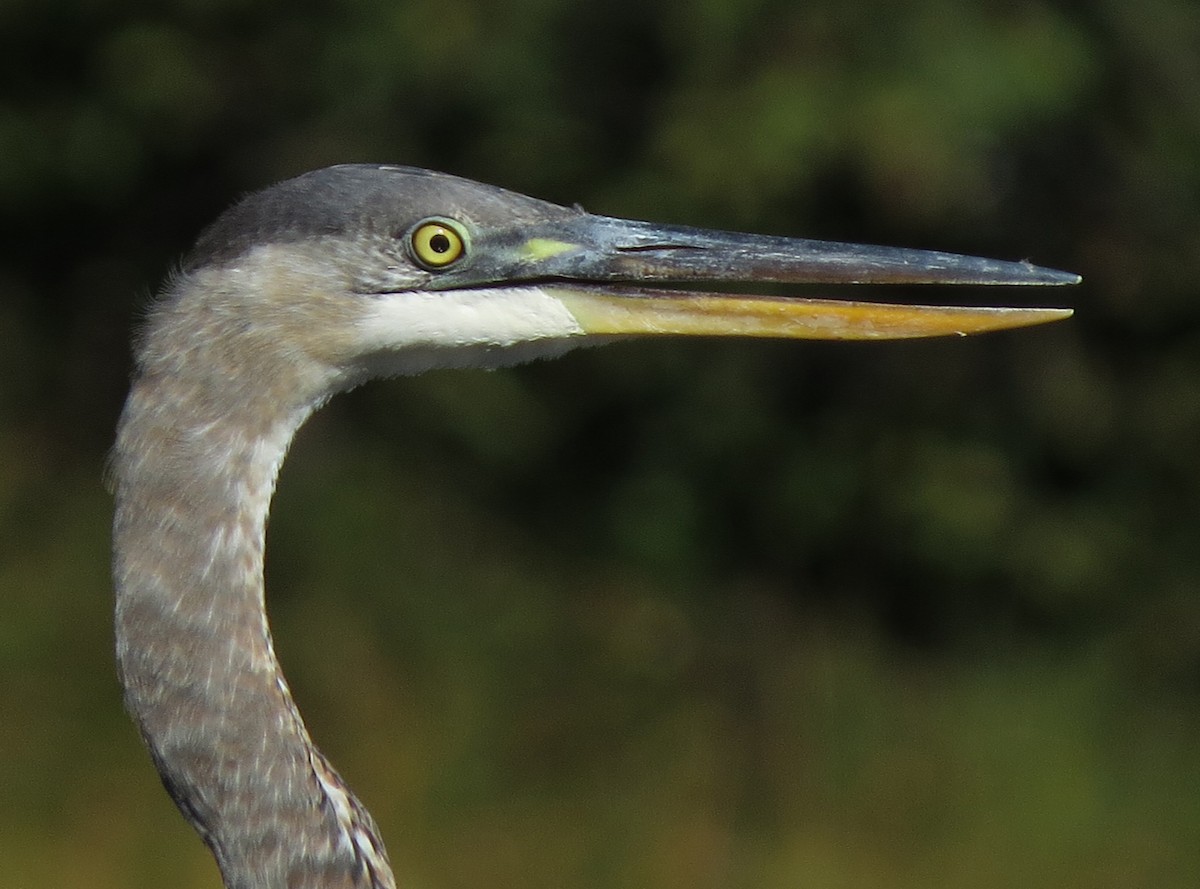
pixel 599 267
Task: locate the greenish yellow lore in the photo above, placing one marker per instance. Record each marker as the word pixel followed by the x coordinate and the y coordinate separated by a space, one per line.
pixel 543 248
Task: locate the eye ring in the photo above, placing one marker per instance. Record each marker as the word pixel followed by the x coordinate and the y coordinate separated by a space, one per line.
pixel 436 243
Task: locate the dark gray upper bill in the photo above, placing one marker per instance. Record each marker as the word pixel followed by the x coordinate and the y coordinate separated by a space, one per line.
pixel 610 249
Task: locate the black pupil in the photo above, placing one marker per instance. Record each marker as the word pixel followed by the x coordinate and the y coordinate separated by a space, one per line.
pixel 439 243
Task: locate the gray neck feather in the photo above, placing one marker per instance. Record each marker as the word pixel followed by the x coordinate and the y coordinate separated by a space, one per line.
pixel 203 433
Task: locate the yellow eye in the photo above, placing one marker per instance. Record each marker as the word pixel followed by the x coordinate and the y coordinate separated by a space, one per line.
pixel 436 243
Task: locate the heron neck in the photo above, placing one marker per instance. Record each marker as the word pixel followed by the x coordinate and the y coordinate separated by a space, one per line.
pixel 194 479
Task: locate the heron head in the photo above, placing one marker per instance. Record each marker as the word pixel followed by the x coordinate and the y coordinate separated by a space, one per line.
pixel 380 269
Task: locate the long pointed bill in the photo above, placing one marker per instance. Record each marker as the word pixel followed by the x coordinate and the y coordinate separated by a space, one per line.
pixel 584 260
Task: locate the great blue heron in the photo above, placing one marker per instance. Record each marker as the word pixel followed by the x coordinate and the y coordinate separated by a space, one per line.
pixel 311 287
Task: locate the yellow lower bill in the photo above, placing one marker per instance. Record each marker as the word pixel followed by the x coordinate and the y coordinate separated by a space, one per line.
pixel 705 314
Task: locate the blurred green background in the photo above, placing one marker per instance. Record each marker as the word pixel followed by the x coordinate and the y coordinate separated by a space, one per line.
pixel 666 614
